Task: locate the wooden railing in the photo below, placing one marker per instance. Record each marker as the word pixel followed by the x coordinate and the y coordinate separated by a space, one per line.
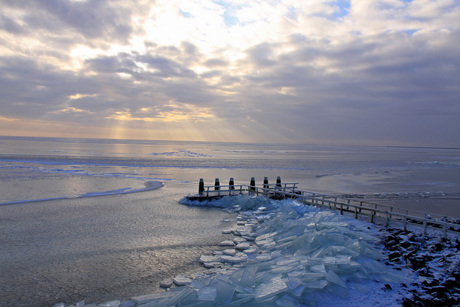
pixel 382 213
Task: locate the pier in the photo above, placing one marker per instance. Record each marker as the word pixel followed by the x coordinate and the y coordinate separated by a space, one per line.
pixel 375 213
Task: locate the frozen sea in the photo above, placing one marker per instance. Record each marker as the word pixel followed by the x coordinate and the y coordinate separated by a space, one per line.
pixel 81 218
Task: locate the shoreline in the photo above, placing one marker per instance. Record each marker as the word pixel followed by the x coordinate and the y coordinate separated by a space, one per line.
pixel 150 186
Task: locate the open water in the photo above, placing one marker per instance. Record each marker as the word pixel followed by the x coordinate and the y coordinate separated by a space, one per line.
pixel 58 242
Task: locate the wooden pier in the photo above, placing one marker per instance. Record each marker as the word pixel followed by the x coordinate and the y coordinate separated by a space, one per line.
pixel 375 213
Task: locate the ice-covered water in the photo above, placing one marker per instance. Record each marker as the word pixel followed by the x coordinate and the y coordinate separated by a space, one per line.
pixel 44 168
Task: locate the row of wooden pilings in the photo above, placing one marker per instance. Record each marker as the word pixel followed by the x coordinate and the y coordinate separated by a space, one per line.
pixel 231 184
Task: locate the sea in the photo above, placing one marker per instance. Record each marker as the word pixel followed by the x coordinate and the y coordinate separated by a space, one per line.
pixel 34 169
pixel 100 219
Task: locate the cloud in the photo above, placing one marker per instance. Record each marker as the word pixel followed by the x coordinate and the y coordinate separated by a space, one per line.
pixel 368 72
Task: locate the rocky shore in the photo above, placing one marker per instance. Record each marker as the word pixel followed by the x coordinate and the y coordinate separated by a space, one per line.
pixel 434 262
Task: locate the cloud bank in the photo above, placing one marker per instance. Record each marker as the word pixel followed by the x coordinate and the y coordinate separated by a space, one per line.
pixel 343 72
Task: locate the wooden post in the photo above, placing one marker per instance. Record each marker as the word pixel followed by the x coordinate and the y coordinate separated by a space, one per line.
pixel 278 182
pixel 217 184
pixel 266 186
pixel 266 183
pixel 231 186
pixel 252 184
pixel 231 183
pixel 201 187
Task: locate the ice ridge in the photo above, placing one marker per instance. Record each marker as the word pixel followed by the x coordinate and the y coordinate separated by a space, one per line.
pixel 284 253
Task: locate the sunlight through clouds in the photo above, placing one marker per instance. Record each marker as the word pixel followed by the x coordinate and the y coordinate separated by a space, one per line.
pixel 277 68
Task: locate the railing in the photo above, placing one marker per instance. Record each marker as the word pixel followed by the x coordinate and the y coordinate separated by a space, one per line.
pixel 269 189
pixel 383 213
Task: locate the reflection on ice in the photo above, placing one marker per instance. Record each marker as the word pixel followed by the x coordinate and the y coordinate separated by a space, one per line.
pixel 282 254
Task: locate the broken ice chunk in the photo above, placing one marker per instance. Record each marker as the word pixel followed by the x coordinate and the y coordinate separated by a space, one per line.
pixel 318 268
pixel 243 246
pixel 250 250
pixel 247 279
pixel 270 288
pixel 263 257
pixel 266 236
pixel 167 283
pixel 315 284
pixel 238 258
pixel 224 290
pixel 239 240
pixel 208 258
pixel 229 252
pixel 332 277
pixel 227 243
pixel 207 294
pixel 287 301
pixel 180 280
pixel 210 265
pixel 115 303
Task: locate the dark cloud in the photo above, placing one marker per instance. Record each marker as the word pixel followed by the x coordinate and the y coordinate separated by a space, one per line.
pixel 262 55
pixel 10 25
pixel 87 21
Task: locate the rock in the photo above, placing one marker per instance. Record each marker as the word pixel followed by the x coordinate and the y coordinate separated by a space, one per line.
pixel 394 255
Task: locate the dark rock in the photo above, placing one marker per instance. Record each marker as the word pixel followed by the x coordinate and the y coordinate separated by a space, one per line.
pixel 405 244
pixel 436 289
pixel 411 236
pixel 451 282
pixel 409 255
pixel 434 283
pixel 423 272
pixel 438 247
pixel 394 255
pixel 387 286
pixel 417 263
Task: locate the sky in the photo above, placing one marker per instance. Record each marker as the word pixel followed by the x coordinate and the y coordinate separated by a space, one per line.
pixel 365 72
